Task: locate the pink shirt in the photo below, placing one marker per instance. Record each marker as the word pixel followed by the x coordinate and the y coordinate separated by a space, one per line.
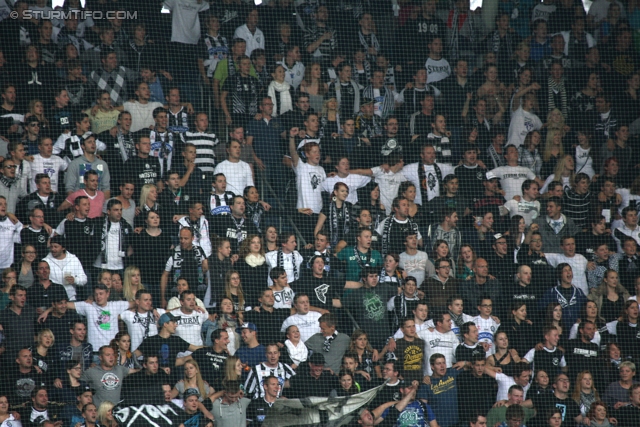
pixel 97 201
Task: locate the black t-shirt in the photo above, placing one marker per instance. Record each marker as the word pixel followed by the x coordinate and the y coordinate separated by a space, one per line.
pixel 569 408
pixel 270 323
pixel 321 292
pixel 587 243
pixel 257 412
pixel 143 171
pixel 386 394
pixel 228 226
pixel 580 357
pixel 627 416
pixel 240 94
pixel 467 354
pixel 18 386
pixel 210 362
pixel 165 348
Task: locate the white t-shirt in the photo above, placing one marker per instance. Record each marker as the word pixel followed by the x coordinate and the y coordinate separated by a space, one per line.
pixel 141 114
pixel 599 10
pixel 433 190
pixel 254 40
pixel 566 183
pixel 528 210
pixel 542 11
pixel 293 75
pixel 185 24
pixel 511 179
pixel 204 241
pixel 289 261
pixel 436 342
pixel 9 234
pixel 309 181
pixel 437 70
pixel 353 181
pixel 522 122
pixel 389 183
pixel 584 161
pixel 417 265
pixel 238 175
pixel 190 325
pixel 307 324
pixel 102 322
pixel 51 166
pixel 578 265
pixel 486 330
pixel 504 383
pixel 283 298
pixel 140 326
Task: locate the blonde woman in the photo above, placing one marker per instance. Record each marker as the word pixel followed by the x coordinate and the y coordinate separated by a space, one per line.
pixel 148 199
pixel 36 108
pixel 553 151
pixel 232 371
pixel 564 173
pixel 280 92
pixel 105 415
pixel 132 283
pixel 42 360
pixel 330 118
pixel 192 379
pixel 252 264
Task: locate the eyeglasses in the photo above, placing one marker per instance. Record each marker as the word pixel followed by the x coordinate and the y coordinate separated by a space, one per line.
pixel 11 167
pixel 34 125
pixel 536 241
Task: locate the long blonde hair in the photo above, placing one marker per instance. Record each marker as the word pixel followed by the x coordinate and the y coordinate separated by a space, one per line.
pixel 199 380
pixel 555 126
pixel 308 80
pixel 229 368
pixel 128 293
pixel 560 166
pixel 578 387
pixel 548 145
pixel 104 407
pixel 144 193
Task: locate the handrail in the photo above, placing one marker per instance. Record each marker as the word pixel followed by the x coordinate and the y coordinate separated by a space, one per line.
pixel 282 213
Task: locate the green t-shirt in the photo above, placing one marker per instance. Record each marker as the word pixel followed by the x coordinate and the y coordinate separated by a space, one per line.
pixel 222 71
pixel 497 415
pixel 374 259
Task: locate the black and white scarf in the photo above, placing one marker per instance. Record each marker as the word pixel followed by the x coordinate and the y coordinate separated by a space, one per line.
pixel 178 258
pixel 553 89
pixel 362 263
pixel 386 234
pixel 127 145
pixel 457 319
pixel 369 41
pixel 326 346
pixel 239 106
pixel 178 123
pixel 195 226
pixel 231 67
pixel 427 184
pixel 388 103
pixel 334 227
pixel 358 77
pixel 106 226
pixel 280 255
pixel 219 208
pixel 144 321
pixel 7 182
pixel 496 158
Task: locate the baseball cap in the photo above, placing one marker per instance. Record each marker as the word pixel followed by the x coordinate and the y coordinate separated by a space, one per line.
pixel 366 101
pixel 57 240
pixel 190 392
pixel 83 389
pixel 490 175
pixel 250 326
pixel 59 296
pixel 167 317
